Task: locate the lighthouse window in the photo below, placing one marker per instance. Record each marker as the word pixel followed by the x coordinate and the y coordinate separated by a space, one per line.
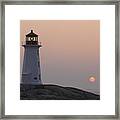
pixel 38 63
pixel 32 38
pixel 36 39
pixel 39 77
pixel 35 78
pixel 28 39
pixel 38 52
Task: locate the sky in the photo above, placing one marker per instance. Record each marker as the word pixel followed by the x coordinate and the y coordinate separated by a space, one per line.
pixel 70 52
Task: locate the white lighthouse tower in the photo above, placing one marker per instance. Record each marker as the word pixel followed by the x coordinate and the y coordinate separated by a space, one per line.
pixel 31 73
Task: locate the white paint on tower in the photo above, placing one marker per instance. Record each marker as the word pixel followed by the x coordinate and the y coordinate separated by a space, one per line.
pixel 31 73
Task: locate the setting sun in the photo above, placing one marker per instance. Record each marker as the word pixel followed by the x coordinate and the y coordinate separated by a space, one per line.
pixel 92 79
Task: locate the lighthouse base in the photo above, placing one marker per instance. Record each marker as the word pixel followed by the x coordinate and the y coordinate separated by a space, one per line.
pixel 27 79
pixel 31 83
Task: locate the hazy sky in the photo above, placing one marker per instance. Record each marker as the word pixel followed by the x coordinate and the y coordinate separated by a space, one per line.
pixel 70 51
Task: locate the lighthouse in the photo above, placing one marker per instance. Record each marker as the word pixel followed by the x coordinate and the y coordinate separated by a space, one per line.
pixel 31 73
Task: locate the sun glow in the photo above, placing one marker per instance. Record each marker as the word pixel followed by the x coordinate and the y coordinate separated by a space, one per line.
pixel 92 79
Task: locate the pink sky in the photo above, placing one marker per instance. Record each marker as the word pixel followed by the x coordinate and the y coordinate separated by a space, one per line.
pixel 70 52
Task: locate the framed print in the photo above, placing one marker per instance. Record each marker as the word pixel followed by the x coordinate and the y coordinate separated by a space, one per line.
pixel 59 59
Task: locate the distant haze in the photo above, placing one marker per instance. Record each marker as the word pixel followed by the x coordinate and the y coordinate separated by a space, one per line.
pixel 70 51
